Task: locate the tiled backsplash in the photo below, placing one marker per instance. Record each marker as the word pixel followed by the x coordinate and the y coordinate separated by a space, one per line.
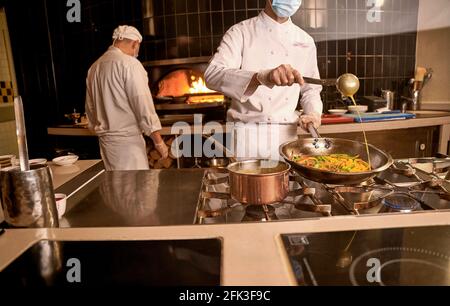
pixel 381 53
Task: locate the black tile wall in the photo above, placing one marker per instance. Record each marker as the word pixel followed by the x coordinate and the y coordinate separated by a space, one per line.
pixel 203 21
pixel 381 53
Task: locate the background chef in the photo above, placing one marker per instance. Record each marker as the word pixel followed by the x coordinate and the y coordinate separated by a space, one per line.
pixel 119 104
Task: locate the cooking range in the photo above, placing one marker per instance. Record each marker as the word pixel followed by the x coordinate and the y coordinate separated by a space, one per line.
pixel 389 257
pixel 409 186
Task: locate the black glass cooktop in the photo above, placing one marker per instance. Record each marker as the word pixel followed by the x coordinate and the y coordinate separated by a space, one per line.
pixel 392 257
pixel 121 263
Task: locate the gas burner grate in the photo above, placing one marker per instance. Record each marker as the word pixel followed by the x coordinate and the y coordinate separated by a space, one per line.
pixel 402 188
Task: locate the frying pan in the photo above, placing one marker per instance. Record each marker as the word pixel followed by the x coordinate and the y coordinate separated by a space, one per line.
pixel 318 146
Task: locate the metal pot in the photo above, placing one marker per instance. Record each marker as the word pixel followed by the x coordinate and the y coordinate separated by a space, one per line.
pixel 259 182
pixel 318 146
pixel 217 163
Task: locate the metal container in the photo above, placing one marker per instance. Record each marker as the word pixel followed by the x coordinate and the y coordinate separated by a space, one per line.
pixel 259 182
pixel 389 96
pixel 28 198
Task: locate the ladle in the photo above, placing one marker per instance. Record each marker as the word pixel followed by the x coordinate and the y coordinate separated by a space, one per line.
pixel 347 84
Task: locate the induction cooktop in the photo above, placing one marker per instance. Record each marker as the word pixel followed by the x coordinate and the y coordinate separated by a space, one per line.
pixel 385 257
pixel 116 263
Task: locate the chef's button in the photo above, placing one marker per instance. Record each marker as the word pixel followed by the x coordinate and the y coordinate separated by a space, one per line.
pixel 271 52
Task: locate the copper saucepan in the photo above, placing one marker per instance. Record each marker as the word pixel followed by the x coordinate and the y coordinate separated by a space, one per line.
pixel 259 182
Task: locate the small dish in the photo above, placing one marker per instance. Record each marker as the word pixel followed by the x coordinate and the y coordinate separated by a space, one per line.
pixel 337 111
pixel 65 160
pixel 33 162
pixel 358 109
pixel 61 203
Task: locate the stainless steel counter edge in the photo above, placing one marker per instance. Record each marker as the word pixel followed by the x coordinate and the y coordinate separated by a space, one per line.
pixel 252 253
pixel 325 129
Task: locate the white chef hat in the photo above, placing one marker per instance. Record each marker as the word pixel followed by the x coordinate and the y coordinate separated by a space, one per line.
pixel 125 31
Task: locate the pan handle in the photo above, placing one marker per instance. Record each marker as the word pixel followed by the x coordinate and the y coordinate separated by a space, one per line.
pixel 313 131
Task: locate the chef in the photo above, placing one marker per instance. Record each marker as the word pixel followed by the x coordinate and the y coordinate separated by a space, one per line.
pixel 259 64
pixel 119 104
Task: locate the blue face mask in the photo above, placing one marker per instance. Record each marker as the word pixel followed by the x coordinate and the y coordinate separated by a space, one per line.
pixel 286 8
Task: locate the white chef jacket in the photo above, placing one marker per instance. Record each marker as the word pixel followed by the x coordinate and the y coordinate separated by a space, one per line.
pixel 118 98
pixel 258 44
pixel 119 107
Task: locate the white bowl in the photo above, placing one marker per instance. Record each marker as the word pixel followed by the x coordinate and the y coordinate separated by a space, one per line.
pixel 360 108
pixel 338 111
pixel 61 203
pixel 66 160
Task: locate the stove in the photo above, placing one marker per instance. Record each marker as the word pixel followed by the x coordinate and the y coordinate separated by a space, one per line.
pixel 404 188
pixel 390 257
pixel 194 262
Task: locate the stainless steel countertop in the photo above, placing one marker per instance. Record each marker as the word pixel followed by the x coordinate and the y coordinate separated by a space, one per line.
pixel 136 198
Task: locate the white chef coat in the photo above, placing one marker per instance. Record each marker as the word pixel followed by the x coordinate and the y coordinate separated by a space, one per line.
pixel 259 44
pixel 119 107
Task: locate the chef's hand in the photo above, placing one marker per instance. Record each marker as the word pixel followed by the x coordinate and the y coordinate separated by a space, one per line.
pixel 283 75
pixel 314 118
pixel 162 149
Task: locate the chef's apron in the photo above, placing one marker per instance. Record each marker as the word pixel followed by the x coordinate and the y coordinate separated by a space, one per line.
pixel 123 153
pixel 260 140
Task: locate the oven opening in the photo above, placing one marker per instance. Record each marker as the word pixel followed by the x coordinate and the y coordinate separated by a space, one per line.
pixel 186 86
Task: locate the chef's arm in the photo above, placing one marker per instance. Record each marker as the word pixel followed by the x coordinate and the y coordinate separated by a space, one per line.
pixel 145 114
pixel 89 107
pixel 141 101
pixel 224 73
pixel 311 100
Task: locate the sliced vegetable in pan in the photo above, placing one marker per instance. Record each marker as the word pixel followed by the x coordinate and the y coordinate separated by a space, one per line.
pixel 341 163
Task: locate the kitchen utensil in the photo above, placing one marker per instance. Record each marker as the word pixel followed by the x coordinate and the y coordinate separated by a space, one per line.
pixel 327 82
pixel 218 163
pixel 28 198
pixel 256 182
pixel 259 182
pixel 347 84
pixel 345 257
pixel 318 146
pixel 21 134
pixel 389 96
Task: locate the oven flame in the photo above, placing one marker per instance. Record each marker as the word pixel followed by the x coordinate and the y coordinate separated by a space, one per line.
pixel 199 86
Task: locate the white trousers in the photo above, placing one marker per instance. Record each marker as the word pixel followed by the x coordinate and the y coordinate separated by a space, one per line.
pixel 261 141
pixel 123 153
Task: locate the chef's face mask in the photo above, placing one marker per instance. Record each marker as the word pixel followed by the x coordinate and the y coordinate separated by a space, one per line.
pixel 285 8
